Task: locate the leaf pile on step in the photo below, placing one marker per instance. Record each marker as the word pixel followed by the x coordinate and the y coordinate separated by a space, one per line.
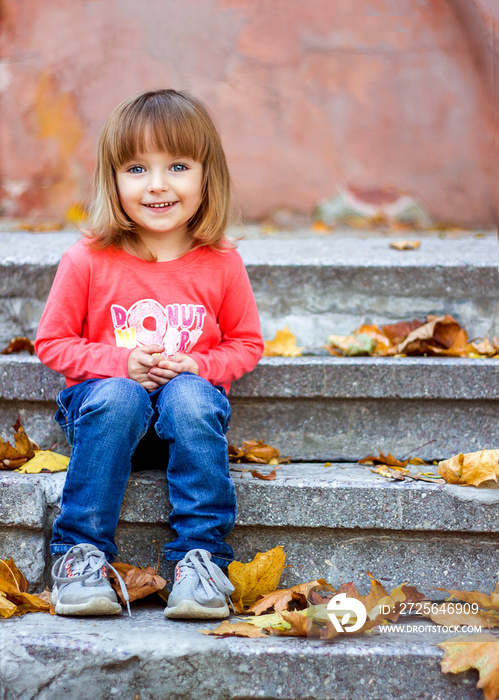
pixel 26 457
pixel 18 344
pixel 283 345
pixel 397 469
pixel 302 611
pixel 14 598
pixel 440 336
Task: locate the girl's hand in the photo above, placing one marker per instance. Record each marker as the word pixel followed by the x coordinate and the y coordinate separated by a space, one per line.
pixel 140 362
pixel 169 368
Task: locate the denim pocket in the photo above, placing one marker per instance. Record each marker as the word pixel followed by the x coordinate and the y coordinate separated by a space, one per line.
pixel 62 416
pixel 228 408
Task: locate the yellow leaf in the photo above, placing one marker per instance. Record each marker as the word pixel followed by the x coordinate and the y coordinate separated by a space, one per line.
pixel 283 345
pixel 354 345
pixel 257 578
pixel 473 468
pixel 265 621
pixel 45 461
pixel 7 609
pixel 405 245
pixel 76 213
pixel 480 651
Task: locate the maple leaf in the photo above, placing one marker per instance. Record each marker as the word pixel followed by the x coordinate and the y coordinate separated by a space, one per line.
pixel 139 582
pixel 299 625
pixel 13 457
pixel 473 468
pixel 480 651
pixel 18 344
pixel 444 615
pixel 283 345
pixel 483 600
pixel 281 598
pixel 257 578
pixel 235 629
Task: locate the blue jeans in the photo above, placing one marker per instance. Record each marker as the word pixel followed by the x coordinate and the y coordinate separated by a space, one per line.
pixel 108 420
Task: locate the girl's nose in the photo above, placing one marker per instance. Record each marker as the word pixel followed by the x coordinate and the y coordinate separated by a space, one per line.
pixel 158 181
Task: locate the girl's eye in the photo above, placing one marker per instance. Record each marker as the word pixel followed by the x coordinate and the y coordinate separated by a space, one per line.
pixel 178 167
pixel 136 169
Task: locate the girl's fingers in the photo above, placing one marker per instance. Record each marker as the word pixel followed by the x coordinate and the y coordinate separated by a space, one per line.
pixel 176 367
pixel 159 374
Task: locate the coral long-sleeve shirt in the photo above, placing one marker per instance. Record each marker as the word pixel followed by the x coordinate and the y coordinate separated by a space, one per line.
pixel 104 303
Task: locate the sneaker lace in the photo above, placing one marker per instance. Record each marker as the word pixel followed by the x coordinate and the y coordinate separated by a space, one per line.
pixel 210 576
pixel 84 565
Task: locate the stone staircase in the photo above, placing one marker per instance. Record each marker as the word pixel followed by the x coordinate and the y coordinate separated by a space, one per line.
pixel 333 521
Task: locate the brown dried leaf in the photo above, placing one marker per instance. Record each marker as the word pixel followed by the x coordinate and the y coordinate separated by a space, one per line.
pixel 280 599
pixel 139 582
pixel 283 345
pixel 299 625
pixel 266 477
pixel 13 457
pixel 258 451
pixel 480 651
pixel 482 618
pixel 483 600
pixel 473 468
pixel 235 629
pixel 397 332
pixel 440 335
pixel 388 460
pixel 18 344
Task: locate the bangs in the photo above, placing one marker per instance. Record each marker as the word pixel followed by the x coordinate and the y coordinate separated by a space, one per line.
pixel 165 123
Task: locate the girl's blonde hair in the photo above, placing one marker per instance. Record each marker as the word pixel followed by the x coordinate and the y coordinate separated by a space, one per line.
pixel 164 120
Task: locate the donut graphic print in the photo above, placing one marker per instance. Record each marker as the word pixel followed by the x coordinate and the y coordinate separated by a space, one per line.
pixel 175 326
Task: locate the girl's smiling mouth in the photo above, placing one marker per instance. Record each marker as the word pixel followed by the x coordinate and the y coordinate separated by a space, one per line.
pixel 160 205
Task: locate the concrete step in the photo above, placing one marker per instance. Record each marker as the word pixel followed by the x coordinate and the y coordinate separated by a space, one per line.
pixel 148 657
pixel 334 522
pixel 319 408
pixel 317 284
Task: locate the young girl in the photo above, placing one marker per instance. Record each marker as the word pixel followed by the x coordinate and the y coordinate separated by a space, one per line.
pixel 150 318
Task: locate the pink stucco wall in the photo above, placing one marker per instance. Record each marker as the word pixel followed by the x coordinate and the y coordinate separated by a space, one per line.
pixel 308 95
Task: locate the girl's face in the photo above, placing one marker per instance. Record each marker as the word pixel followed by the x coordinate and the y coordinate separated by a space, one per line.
pixel 160 193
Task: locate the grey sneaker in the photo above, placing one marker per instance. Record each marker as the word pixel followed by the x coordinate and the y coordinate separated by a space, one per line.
pixel 81 584
pixel 199 588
